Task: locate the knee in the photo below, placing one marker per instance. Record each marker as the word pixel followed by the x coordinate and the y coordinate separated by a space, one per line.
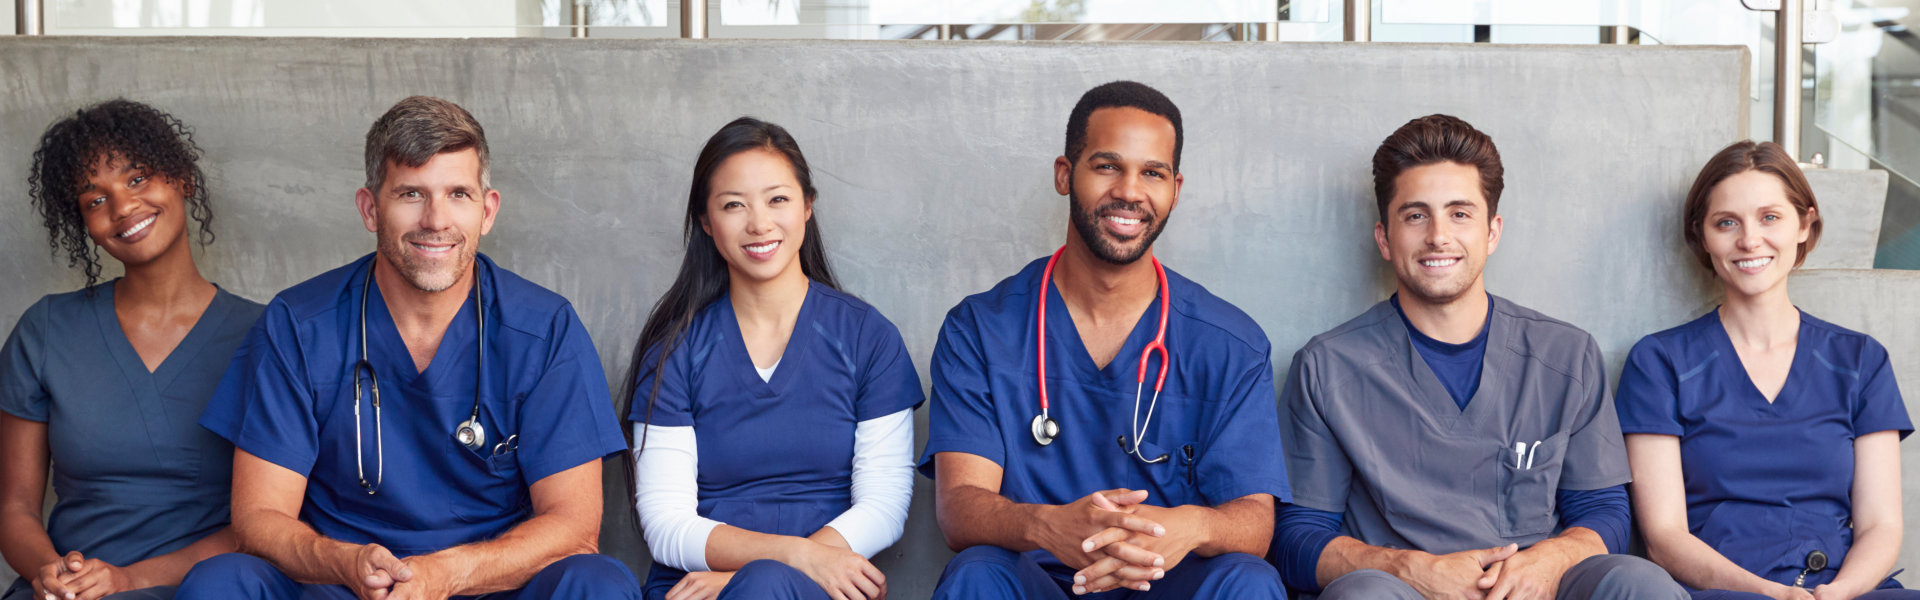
pixel 585 576
pixel 230 576
pixel 1627 576
pixel 767 579
pixel 982 561
pixel 982 572
pixel 1240 575
pixel 1368 583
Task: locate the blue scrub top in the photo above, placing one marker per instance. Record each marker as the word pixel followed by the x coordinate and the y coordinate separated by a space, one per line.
pixel 134 476
pixel 1766 483
pixel 1217 418
pixel 776 456
pixel 289 400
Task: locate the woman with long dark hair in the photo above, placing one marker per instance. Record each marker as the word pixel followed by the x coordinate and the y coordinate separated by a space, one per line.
pixel 1765 443
pixel 105 383
pixel 773 413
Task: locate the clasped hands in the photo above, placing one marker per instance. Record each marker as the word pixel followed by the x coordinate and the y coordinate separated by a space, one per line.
pixel 1116 541
pixel 378 575
pixel 76 577
pixel 1502 573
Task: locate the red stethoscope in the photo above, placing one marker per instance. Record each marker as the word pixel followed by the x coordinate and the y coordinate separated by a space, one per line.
pixel 1045 429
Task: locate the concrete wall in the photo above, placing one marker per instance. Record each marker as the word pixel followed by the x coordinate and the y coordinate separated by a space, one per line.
pixel 933 164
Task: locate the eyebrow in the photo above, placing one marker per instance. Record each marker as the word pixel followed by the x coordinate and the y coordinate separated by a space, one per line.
pixel 1115 156
pixel 1421 204
pixel 125 166
pixel 739 193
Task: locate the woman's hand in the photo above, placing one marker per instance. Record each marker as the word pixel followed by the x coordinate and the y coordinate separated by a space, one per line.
pixel 700 585
pixel 844 574
pixel 76 577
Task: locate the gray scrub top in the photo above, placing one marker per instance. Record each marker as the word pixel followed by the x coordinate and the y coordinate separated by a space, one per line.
pixel 1373 434
pixel 135 476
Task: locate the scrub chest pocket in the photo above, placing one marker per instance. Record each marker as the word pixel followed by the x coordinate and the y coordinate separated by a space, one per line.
pixel 1528 484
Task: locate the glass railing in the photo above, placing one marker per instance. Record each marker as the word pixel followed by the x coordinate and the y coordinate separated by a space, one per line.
pixel 832 19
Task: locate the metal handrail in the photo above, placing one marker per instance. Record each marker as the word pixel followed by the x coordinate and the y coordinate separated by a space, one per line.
pixel 29 17
pixel 1788 51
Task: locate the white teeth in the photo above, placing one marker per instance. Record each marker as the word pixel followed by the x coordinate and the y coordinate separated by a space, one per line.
pixel 435 249
pixel 763 248
pixel 1753 263
pixel 1124 220
pixel 138 227
pixel 1441 262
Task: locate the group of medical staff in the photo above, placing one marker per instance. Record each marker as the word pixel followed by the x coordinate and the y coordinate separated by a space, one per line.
pixel 424 423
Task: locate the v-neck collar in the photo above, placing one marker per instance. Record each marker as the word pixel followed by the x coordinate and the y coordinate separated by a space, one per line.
pixel 1433 395
pixel 385 346
pixel 740 361
pixel 1126 364
pixel 1737 370
pixel 170 367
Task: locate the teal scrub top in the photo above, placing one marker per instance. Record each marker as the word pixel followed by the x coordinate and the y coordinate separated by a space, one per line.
pixel 135 476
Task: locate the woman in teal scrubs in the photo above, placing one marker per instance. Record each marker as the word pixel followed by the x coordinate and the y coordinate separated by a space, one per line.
pixel 1764 442
pixel 102 385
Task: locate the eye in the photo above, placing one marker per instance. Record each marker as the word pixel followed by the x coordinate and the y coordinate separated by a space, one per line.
pixel 777 199
pixel 410 194
pixel 1770 218
pixel 732 204
pixel 461 195
pixel 136 181
pixel 1461 214
pixel 1154 174
pixel 1723 223
pixel 1416 217
pixel 96 201
pixel 1105 168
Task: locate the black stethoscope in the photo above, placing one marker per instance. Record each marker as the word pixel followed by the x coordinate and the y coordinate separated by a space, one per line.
pixel 469 432
pixel 1045 429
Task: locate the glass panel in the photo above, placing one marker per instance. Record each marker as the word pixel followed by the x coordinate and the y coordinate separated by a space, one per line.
pixel 1014 12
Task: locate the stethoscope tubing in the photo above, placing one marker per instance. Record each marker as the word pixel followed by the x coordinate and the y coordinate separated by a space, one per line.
pixel 469 432
pixel 1044 427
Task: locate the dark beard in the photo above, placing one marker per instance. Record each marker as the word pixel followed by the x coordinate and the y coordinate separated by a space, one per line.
pixel 1086 221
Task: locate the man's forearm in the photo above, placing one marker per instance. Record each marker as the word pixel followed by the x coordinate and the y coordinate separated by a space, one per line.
pixel 970 516
pixel 1242 525
pixel 509 561
pixel 295 548
pixel 1345 555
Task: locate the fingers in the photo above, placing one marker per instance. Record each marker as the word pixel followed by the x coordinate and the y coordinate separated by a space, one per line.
pixel 74 562
pixel 1503 588
pixel 1130 522
pixel 1103 538
pixel 1493 555
pixel 1492 576
pixel 1136 556
pixel 1121 497
pixel 1111 572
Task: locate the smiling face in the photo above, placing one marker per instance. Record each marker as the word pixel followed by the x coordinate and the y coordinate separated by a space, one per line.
pixel 1752 234
pixel 757 216
pixel 133 214
pixel 1438 233
pixel 1122 187
pixel 429 219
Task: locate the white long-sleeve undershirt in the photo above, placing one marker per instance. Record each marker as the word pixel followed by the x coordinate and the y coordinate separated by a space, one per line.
pixel 667 490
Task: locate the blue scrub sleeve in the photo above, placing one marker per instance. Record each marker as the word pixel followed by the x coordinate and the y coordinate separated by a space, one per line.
pixel 1878 404
pixel 1648 401
pixel 567 419
pixel 1301 536
pixel 1240 458
pixel 671 404
pixel 264 404
pixel 1596 453
pixel 1603 510
pixel 890 384
pixel 21 393
pixel 961 418
pixel 1317 464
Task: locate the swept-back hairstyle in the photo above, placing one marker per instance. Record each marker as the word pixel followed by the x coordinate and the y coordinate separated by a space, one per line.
pixel 415 130
pixel 1740 157
pixel 117 128
pixel 1435 139
pixel 1122 94
pixel 703 273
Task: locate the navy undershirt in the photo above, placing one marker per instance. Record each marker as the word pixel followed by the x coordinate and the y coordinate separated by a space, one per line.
pixel 1457 365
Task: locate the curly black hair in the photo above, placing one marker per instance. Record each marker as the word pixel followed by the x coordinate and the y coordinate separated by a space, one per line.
pixel 120 128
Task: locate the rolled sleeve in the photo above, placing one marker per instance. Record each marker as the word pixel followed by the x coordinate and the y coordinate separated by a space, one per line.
pixel 265 401
pixel 567 418
pixel 1245 453
pixel 962 414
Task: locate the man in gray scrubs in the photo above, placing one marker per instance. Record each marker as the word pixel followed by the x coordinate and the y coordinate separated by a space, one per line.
pixel 1448 443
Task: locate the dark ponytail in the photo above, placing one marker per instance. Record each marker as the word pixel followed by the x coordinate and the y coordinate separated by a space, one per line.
pixel 703 273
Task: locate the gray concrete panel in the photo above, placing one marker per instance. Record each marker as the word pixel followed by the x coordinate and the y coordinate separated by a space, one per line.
pixel 932 161
pixel 1851 204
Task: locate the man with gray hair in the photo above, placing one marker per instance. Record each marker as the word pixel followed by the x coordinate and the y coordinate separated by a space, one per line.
pixel 500 407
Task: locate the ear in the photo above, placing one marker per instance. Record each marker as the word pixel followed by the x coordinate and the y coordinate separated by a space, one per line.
pixel 369 209
pixel 1062 176
pixel 706 225
pixel 1493 234
pixel 491 207
pixel 1380 239
pixel 809 210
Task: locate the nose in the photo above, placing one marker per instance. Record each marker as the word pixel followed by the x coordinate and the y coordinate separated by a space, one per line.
pixel 436 214
pixel 1749 239
pixel 759 220
pixel 1436 235
pixel 122 202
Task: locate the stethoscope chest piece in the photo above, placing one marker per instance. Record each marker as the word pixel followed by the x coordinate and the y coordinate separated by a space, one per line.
pixel 1045 429
pixel 471 434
